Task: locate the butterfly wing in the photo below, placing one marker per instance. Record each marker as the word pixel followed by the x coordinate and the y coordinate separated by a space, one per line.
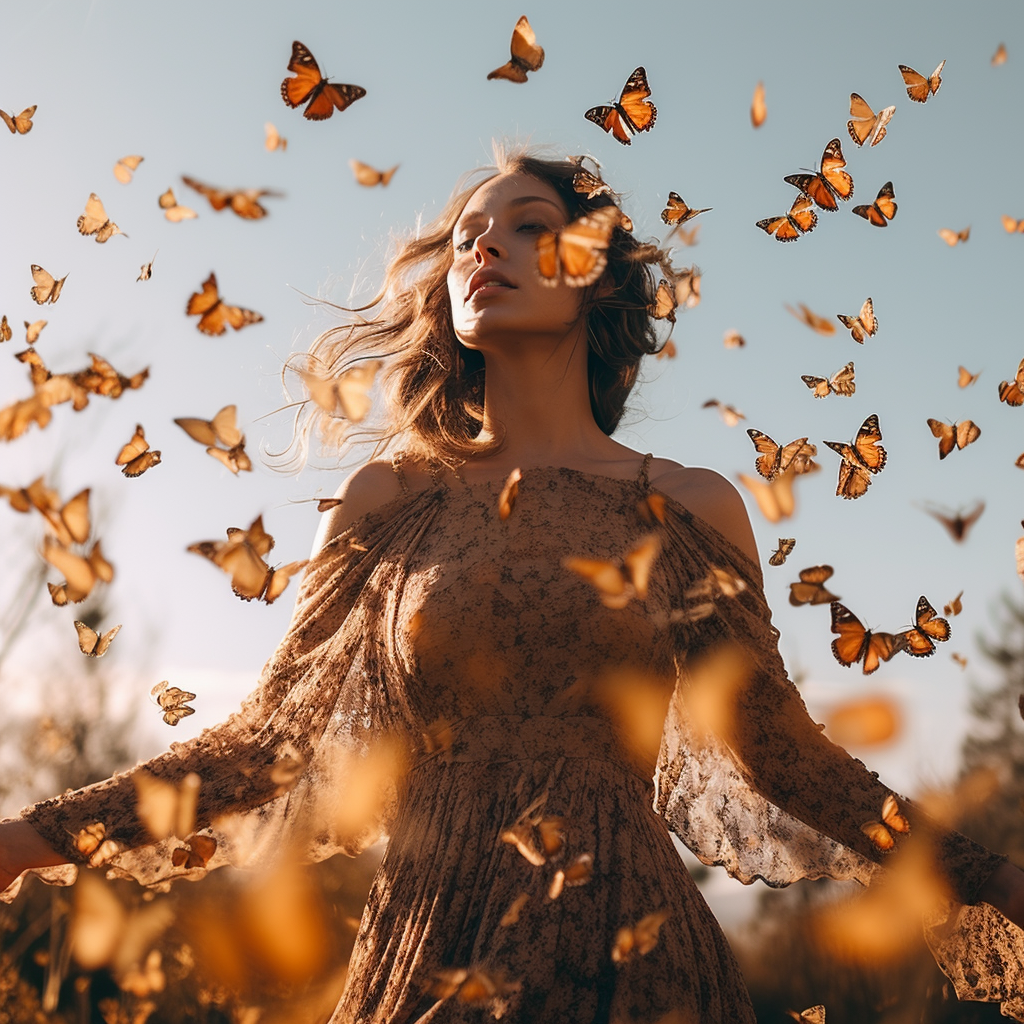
pixel 95 217
pixel 1012 391
pixel 606 578
pixel 819 385
pixel 237 317
pixel 199 430
pixel 758 107
pixel 589 184
pixel 881 647
pixel 863 119
pixel 885 201
pixel 776 499
pixel 638 562
pixel 782 552
pixel 677 212
pixel 583 247
pixel 929 627
pixel 917 85
pixel 204 304
pixel 47 289
pixel 633 103
pixel 809 588
pixel 869 452
pixel 967 432
pixel 832 173
pixel 853 480
pixel 816 188
pixel 608 118
pixel 524 48
pixel 853 638
pixel 769 454
pixel 307 81
pixel 333 96
pixel 842 382
pixel 134 448
pixel 664 307
pixel 280 578
pixel 946 435
pixel 87 638
pixel 20 123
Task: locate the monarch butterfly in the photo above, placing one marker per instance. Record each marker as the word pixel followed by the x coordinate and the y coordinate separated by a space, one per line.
pixel 578 253
pixel 840 383
pixel 857 644
pixel 96 222
pixel 955 607
pixel 957 523
pixel 730 414
pixel 882 210
pixel 309 85
pixel 221 430
pixel 633 113
pixel 1012 226
pixel 951 237
pixel 174 212
pixel 965 378
pixel 783 551
pixel 999 57
pixel 526 54
pixel 810 588
pixel 617 583
pixel 664 307
pixel 273 139
pixel 773 459
pixel 829 183
pixel 47 289
pixel 1012 391
pixel 758 109
pixel 125 167
pixel 864 324
pixel 346 395
pixel 927 629
pixel 860 460
pixel 370 176
pixel 173 702
pixel 892 818
pixel 33 330
pixel 509 494
pixel 20 123
pixel 243 201
pixel 920 88
pixel 146 270
pixel 956 435
pixel 214 314
pixel 677 212
pixel 800 220
pixel 135 457
pixel 92 643
pixel 590 185
pixel 100 378
pixel 866 125
pixel 818 324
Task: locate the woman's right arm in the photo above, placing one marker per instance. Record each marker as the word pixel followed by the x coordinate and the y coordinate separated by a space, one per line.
pixel 21 848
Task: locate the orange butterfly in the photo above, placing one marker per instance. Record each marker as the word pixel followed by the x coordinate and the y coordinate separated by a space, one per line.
pixel 733 339
pixel 172 701
pixel 665 303
pixel 47 288
pixel 800 220
pixel 866 125
pixel 677 212
pixel 956 435
pixel 20 123
pixel 951 237
pixel 221 430
pixel 370 176
pixel 928 628
pixel 1012 391
pixel 758 109
pixel 730 415
pixel 892 818
pixel 173 211
pixel 92 643
pixel 999 57
pixel 882 210
pixel 855 643
pixel 100 378
pixel 956 523
pixel 959 659
pixel 1011 225
pixel 590 185
pixel 469 985
pixel 632 114
pixel 860 460
pixel 810 589
pixel 776 500
pixel 685 237
pixel 96 222
pixel 955 607
pixel 146 270
pixel 577 254
pixel 33 330
pixel 69 522
pixel 812 1015
pixel 5 329
pixel 864 324
pixel 774 459
pixel 828 184
pixel 526 54
pixel 966 378
pixel 509 494
pixel 818 324
pixel 273 139
pixel 243 201
pixel 135 457
pixel 783 551
pixel 308 85
pixel 640 939
pixel 920 88
pixel 840 383
pixel 667 351
pixel 347 395
pixel 617 583
pixel 579 871
pixel 81 574
pixel 686 283
pixel 214 314
pixel 125 167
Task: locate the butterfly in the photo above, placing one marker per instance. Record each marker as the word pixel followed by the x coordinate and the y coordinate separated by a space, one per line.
pixel 5 329
pixel 956 523
pixel 33 330
pixel 173 702
pixel 173 211
pixel 758 110
pixel 221 430
pixel 69 523
pixel 1019 461
pixel 146 270
pixel 590 185
pixel 686 284
pixel 730 415
pixel 664 307
pixel 92 643
pixel 999 57
pixel 855 643
pixel 800 220
pixel 919 641
pixel 640 939
pixel 818 324
pixel 677 212
pixel 100 378
pixel 370 176
pixel 1012 391
pixel 840 383
pixel 782 552
pixel 164 808
pixel 959 659
pixel 579 871
pixel 214 314
pixel 956 435
pixel 20 123
pixel 526 54
pixel 812 1015
pixel 1010 225
pixel 308 86
pixel 733 339
pixel 469 985
pixel 618 582
pixel 91 841
pixel 667 351
pixel 346 395
pixel 125 167
pixel 773 459
pixel 775 500
pixel 829 183
pixel 892 818
pixel 860 460
pixel 685 237
pixel 951 237
pixel 882 210
pixel 96 222
pixel 536 838
pixel 866 125
pixel 966 378
pixel 509 494
pixel 633 113
pixel 243 201
pixel 810 589
pixel 47 289
pixel 273 139
pixel 578 253
pixel 955 607
pixel 135 457
pixel 920 88
pixel 864 324
pixel 81 574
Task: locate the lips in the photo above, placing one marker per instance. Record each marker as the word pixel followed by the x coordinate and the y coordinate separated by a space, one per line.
pixel 486 276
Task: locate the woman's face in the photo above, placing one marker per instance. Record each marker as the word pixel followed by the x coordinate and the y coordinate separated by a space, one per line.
pixel 496 292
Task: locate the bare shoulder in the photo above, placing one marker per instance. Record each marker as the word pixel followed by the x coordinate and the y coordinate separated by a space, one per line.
pixel 709 495
pixel 362 491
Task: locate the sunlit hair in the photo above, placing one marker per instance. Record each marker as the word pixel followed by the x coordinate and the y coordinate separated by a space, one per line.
pixel 432 387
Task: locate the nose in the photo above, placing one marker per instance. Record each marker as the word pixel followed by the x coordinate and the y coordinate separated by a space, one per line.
pixel 486 247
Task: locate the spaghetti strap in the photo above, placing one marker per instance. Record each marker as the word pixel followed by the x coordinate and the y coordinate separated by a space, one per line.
pixel 642 480
pixel 397 461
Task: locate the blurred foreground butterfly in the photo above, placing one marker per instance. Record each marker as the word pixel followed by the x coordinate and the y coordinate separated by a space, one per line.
pixel 242 201
pixel 348 394
pixel 172 702
pixel 790 226
pixel 965 378
pixel 957 523
pixel 955 607
pixel 733 339
pixel 370 176
pixel 999 57
pixel 20 123
pixel 215 316
pixel 135 457
pixel 310 87
pixel 92 643
pixel 864 324
pixel 776 500
pixel 80 574
pixel 773 459
pixel 640 939
pixel 1013 226
pixel 126 167
pixel 68 522
pixel 812 1015
pixel 758 109
pixel 1012 391
pixel 577 254
pixel 857 644
pixel 617 583
pixel 173 211
pixel 951 237
pixel 33 330
pixel 920 88
pixel 633 113
pixel 731 416
pixel 273 139
pixel 866 125
pixel 860 460
pixel 677 212
pixel 928 628
pixel 783 551
pixel 469 985
pixel 829 183
pixel 840 383
pixel 955 435
pixel 47 289
pixel 96 222
pixel 882 210
pixel 892 818
pixel 526 54
pixel 221 430
pixel 818 324
pixel 509 494
pixel 810 589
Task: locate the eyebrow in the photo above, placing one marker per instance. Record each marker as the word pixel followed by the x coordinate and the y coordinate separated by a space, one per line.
pixel 517 202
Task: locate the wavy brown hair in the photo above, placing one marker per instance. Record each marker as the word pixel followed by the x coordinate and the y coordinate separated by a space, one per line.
pixel 433 387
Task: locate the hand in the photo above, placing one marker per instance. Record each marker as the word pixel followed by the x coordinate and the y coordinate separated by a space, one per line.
pixel 1005 891
pixel 21 848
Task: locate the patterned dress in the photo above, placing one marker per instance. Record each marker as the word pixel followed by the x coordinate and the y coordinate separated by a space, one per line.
pixel 552 733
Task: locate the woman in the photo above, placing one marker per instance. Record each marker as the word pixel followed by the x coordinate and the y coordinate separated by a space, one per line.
pixel 504 639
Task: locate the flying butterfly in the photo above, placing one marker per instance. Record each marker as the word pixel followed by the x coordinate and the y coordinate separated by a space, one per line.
pixel 861 459
pixel 370 176
pixel 509 494
pixel 955 435
pixel 999 57
pixel 215 315
pixel 221 430
pixel 758 108
pixel 632 114
pixel 892 819
pixel 47 288
pixel 818 324
pixel 640 939
pixel 882 210
pixel 243 201
pixel 5 329
pixel 173 210
pixel 774 459
pixel 1013 226
pixel 590 185
pixel 308 86
pixel 33 330
pixel 866 126
pixel 827 184
pixel 20 123
pixel 733 339
pixel 469 985
pixel 686 284
pixel 919 641
pixel 955 607
pixel 965 378
pixel 857 644
pixel 1012 391
pixel 959 659
pixel 783 551
pixel 173 702
pixel 126 167
pixel 80 574
pixel 863 325
pixel 957 523
pixel 812 1015
pixel 684 236
pixel 135 457
pixel 664 307
pixel 800 220
pixel 526 55
pixel 617 583
pixel 952 238
pixel 667 351
pixel 920 88
pixel 731 416
pixel 348 394
pixel 92 643
pixel 273 139
pixel 578 253
pixel 810 588
pixel 677 212
pixel 840 383
pixel 146 270
pixel 96 222
pixel 69 522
